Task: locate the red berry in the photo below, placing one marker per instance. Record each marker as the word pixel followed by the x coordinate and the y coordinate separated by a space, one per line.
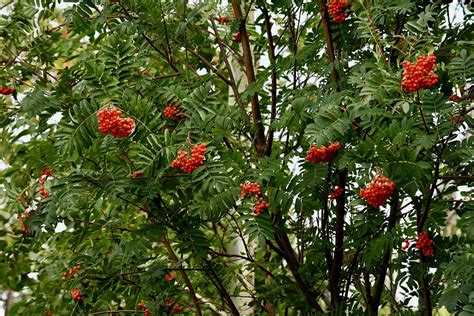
pixel 260 206
pixel 6 91
pixel 137 174
pixel 169 277
pixel 173 112
pixel 110 122
pixel 76 295
pixel 323 154
pixel 378 191
pixel 188 165
pixel 335 193
pixel 177 308
pixel 419 75
pixel 46 172
pixel 406 244
pixel 425 244
pixel 336 9
pixel 252 188
pixel 223 19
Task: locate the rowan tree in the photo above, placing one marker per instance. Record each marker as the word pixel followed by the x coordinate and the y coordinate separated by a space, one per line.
pixel 237 157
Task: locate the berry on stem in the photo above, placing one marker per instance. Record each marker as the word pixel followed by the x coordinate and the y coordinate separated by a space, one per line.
pixel 419 75
pixel 378 191
pixel 190 164
pixel 260 206
pixel 7 90
pixel 335 193
pixel 336 10
pixel 76 295
pixel 322 154
pixel 173 112
pixel 425 244
pixel 251 188
pixel 110 122
pixel 222 19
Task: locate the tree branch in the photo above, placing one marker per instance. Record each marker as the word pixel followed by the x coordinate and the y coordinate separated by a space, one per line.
pixel 259 140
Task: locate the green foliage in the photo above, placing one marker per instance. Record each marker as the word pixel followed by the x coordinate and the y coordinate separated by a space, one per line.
pixel 143 230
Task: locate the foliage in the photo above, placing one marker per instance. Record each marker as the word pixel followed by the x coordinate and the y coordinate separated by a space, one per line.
pixel 141 230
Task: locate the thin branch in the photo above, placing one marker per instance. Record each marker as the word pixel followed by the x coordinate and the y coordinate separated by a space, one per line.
pixel 186 279
pixel 259 141
pixel 232 82
pixel 273 92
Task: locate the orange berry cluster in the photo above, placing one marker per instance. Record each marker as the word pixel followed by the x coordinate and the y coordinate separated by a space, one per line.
pixel 142 304
pixel 41 180
pixel 6 91
pixel 223 19
pixel 323 154
pixel 251 188
pixel 21 221
pixel 419 75
pixel 260 206
pixel 254 190
pixel 336 9
pixel 110 122
pixel 425 244
pixel 379 190
pixel 188 165
pixel 76 295
pixel 71 273
pixel 173 112
pixel 335 193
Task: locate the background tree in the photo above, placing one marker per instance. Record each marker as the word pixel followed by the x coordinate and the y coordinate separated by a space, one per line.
pixel 343 149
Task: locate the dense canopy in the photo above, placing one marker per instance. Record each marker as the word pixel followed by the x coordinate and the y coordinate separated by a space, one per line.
pixel 236 157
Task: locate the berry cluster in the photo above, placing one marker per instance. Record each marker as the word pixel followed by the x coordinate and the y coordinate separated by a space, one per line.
pixel 41 180
pixel 377 193
pixel 406 244
pixel 71 273
pixel 76 295
pixel 110 122
pixel 419 75
pixel 137 174
pixel 335 193
pixel 21 221
pixel 186 164
pixel 254 190
pixel 336 9
pixel 425 244
pixel 323 154
pixel 142 304
pixel 173 112
pixel 260 206
pixel 169 277
pixel 223 19
pixel 6 91
pixel 47 312
pixel 251 188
